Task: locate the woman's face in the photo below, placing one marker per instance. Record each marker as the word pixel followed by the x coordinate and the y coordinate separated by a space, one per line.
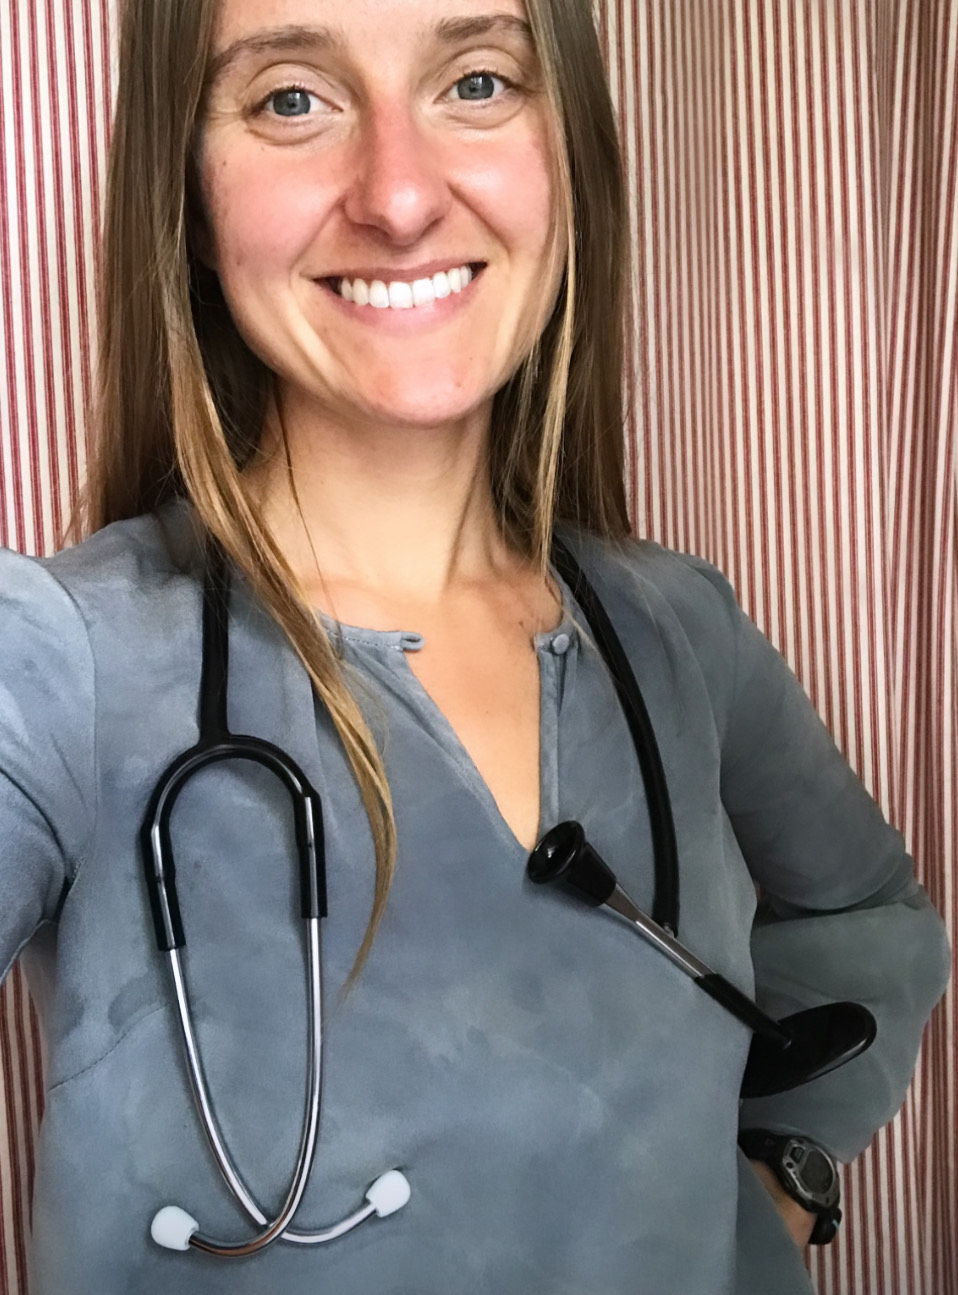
pixel 380 140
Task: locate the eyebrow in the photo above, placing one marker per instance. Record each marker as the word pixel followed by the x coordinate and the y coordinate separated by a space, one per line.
pixel 447 31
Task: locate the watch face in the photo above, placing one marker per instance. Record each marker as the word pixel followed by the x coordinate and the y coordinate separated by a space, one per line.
pixel 817 1173
pixel 811 1174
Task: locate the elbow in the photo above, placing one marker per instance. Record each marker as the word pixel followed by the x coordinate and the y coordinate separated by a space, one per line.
pixel 930 962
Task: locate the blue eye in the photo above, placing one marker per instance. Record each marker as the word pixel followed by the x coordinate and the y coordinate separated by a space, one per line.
pixel 291 101
pixel 292 98
pixel 478 83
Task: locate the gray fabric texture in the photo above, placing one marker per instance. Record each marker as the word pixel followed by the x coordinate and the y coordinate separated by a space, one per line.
pixel 564 1102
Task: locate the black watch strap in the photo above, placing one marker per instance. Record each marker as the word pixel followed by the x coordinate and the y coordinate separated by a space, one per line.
pixel 806 1172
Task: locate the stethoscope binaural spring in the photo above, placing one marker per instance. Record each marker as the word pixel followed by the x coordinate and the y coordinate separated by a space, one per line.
pixel 783 1054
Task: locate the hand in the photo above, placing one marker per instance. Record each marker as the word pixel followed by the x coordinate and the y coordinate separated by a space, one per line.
pixel 799 1222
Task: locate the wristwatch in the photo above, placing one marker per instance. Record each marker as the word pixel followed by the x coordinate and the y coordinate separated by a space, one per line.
pixel 805 1170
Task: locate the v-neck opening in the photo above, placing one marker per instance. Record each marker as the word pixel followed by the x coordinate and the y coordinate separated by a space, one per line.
pixel 551 648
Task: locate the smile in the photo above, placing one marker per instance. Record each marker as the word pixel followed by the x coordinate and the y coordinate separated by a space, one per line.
pixel 401 294
pixel 401 308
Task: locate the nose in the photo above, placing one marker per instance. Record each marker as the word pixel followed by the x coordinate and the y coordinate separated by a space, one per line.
pixel 399 186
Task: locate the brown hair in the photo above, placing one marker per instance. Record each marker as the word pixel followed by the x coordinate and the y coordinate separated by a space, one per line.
pixel 182 400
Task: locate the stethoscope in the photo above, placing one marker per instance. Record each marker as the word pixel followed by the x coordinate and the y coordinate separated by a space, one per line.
pixel 783 1054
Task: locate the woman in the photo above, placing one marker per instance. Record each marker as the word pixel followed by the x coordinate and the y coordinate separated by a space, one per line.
pixel 364 288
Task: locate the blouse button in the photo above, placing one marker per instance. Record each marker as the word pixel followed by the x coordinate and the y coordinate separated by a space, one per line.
pixel 560 644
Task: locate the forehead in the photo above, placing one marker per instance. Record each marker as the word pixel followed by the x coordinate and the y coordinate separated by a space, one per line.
pixel 246 29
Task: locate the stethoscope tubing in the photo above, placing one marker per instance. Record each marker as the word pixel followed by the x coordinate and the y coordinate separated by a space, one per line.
pixel 157 843
pixel 210 1123
pixel 217 744
pixel 308 1139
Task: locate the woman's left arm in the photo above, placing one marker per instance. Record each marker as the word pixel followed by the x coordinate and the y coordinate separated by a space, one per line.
pixel 842 915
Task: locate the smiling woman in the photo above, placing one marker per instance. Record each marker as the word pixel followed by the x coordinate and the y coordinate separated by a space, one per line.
pixel 355 540
pixel 385 174
pixel 315 147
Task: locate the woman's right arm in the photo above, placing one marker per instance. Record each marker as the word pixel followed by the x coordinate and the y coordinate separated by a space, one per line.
pixel 47 748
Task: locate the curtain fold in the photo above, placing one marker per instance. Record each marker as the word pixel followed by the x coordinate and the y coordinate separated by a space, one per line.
pixel 794 172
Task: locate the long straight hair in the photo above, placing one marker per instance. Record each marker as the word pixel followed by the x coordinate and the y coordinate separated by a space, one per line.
pixel 181 399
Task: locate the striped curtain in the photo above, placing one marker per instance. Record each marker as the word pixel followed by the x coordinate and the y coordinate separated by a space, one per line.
pixel 794 170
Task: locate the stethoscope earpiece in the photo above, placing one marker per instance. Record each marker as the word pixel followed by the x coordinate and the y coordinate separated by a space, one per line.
pixel 389 1193
pixel 174 1229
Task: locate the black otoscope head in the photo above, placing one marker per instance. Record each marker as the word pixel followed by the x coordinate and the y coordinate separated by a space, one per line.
pixel 565 856
pixel 783 1054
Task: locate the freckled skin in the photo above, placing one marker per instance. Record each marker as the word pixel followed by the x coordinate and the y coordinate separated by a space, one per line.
pixel 397 170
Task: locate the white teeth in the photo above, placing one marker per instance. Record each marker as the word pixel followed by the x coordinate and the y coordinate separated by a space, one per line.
pixel 400 295
pixel 378 293
pixel 423 292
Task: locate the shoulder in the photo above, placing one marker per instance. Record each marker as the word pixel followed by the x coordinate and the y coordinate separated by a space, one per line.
pixel 96 581
pixel 63 616
pixel 65 641
pixel 681 592
pixel 145 550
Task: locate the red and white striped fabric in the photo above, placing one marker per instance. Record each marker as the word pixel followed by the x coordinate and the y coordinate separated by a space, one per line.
pixel 794 165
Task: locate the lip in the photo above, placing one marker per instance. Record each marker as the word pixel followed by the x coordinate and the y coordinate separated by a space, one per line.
pixel 400 322
pixel 404 274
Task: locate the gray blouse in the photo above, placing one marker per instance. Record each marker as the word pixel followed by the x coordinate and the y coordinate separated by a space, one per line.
pixel 563 1101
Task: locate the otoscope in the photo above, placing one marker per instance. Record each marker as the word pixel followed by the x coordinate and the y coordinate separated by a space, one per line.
pixel 783 1054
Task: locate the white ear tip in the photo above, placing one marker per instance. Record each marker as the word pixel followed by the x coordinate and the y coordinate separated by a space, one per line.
pixel 173 1227
pixel 389 1193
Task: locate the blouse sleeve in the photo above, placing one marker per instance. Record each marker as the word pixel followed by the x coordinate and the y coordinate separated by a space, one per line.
pixel 47 752
pixel 842 915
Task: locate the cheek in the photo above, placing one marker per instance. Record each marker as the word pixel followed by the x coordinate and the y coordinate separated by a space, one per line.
pixel 262 215
pixel 513 192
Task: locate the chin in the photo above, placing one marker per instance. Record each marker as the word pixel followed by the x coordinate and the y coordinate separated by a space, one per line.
pixel 408 402
pixel 423 414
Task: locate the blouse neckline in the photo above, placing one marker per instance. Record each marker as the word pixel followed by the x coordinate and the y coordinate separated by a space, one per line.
pixel 558 639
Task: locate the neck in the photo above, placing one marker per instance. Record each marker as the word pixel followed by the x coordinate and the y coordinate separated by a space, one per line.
pixel 397 508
